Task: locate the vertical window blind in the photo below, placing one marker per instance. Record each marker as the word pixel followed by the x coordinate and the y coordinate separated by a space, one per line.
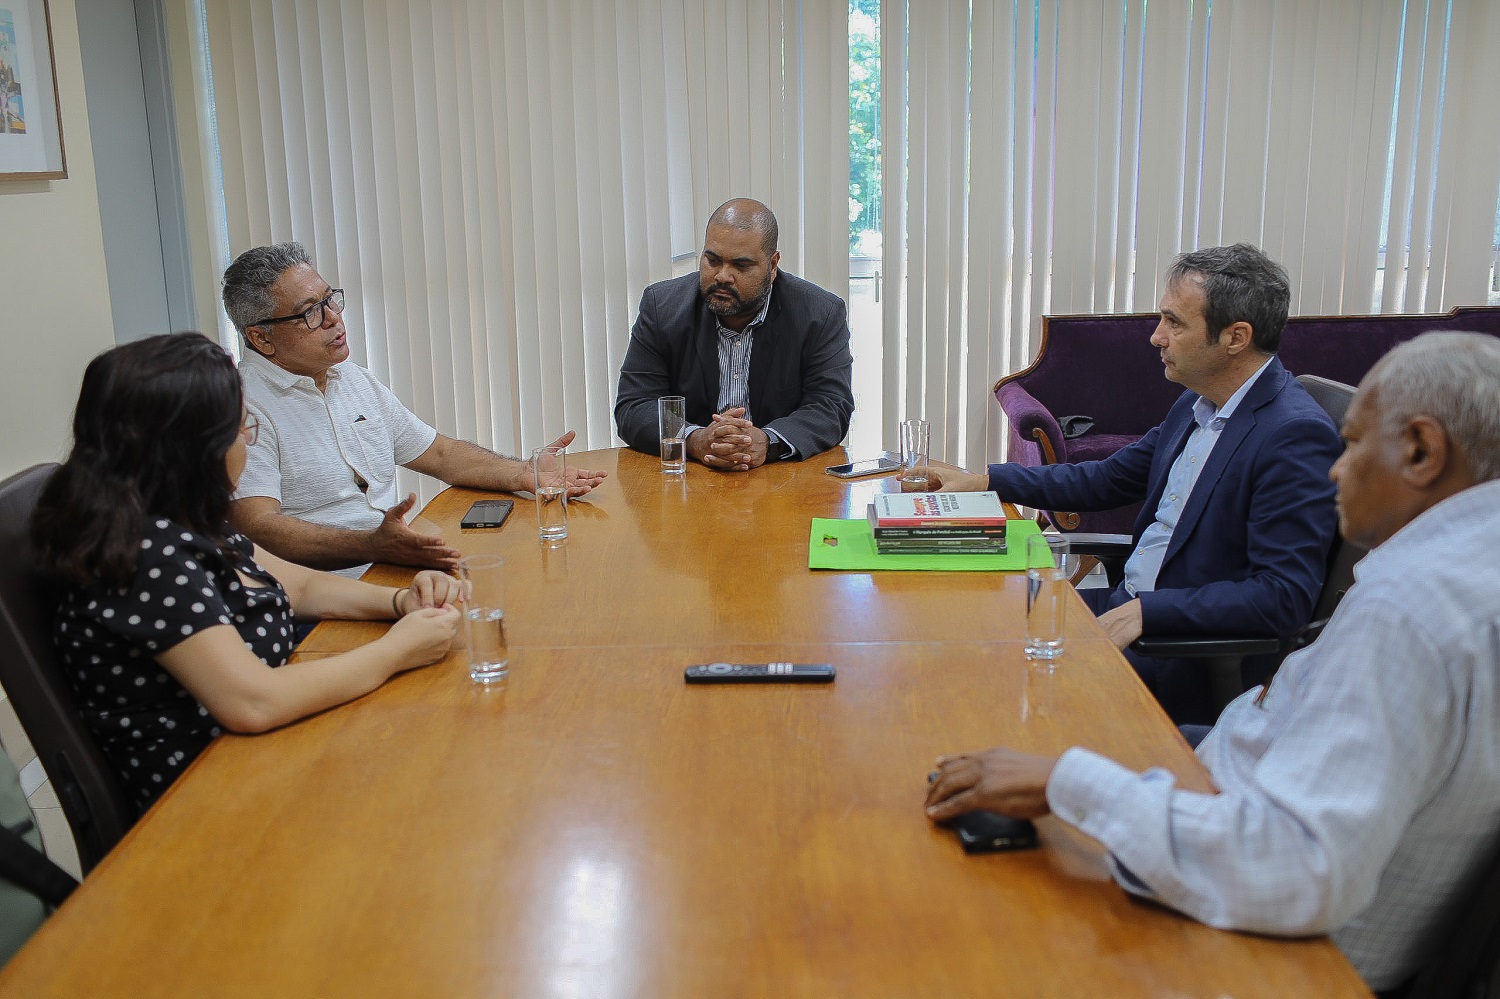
pixel 494 184
pixel 1054 155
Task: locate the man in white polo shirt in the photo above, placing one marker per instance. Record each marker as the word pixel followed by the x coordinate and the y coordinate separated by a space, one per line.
pixel 319 486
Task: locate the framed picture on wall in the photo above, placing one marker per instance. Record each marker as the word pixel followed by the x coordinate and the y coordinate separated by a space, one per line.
pixel 31 140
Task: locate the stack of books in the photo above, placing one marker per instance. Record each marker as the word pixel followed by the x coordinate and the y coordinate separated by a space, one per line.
pixel 938 524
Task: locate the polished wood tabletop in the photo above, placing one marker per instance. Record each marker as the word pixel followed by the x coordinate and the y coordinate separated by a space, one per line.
pixel 593 827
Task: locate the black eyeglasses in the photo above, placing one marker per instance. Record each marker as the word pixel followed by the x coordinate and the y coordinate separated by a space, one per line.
pixel 313 317
pixel 250 429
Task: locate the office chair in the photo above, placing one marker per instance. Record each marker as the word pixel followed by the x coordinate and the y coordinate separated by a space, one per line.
pixel 95 804
pixel 1224 655
pixel 1467 963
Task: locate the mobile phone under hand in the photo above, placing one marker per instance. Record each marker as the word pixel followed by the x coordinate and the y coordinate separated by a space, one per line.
pixel 986 832
pixel 486 514
pixel 857 468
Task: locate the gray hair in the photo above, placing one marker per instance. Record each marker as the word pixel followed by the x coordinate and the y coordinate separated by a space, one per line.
pixel 1454 378
pixel 1240 284
pixel 247 281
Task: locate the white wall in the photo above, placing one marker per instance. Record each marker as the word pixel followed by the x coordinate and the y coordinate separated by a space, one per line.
pixel 54 290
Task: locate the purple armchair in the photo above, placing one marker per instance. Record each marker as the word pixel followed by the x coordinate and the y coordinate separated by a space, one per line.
pixel 1105 368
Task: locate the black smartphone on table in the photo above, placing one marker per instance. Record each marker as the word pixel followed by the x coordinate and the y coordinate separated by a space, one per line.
pixel 986 832
pixel 486 514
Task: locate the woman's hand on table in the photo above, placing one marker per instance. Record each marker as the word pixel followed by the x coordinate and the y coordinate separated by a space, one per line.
pixel 425 635
pixel 429 589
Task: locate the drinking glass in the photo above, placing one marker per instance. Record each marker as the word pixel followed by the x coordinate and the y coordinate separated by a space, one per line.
pixel 916 439
pixel 1047 588
pixel 551 468
pixel 483 578
pixel 671 421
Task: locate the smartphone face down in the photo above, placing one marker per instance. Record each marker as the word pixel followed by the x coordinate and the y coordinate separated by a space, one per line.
pixel 986 832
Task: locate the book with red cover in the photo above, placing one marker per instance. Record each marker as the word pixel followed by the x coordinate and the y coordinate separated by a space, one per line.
pixel 938 510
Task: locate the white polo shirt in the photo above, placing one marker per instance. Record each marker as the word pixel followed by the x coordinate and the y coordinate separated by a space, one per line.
pixel 316 449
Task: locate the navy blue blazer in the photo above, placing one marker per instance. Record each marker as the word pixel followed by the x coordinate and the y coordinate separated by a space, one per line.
pixel 1251 549
pixel 800 365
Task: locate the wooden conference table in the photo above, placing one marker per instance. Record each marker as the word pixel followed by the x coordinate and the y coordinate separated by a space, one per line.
pixel 595 828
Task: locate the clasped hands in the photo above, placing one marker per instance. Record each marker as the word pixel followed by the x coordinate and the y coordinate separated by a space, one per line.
pixel 730 443
pixel 426 617
pixel 428 588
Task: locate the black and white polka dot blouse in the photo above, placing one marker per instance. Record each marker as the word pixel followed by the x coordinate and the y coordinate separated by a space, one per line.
pixel 149 727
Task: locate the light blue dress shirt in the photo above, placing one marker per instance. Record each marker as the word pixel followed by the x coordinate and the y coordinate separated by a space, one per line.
pixel 1362 794
pixel 1145 562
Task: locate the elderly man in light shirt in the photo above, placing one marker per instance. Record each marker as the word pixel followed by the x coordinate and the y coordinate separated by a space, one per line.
pixel 319 486
pixel 1359 792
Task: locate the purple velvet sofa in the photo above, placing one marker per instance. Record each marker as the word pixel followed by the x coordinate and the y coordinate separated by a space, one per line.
pixel 1105 368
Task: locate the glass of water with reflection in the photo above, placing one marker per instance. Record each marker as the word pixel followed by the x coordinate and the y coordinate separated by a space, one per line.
pixel 551 467
pixel 483 578
pixel 1047 588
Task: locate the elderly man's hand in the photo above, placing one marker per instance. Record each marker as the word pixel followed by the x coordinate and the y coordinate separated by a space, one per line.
pixel 997 780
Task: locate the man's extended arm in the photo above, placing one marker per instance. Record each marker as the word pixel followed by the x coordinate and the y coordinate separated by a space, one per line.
pixel 1118 480
pixel 319 547
pixel 460 463
pixel 1297 841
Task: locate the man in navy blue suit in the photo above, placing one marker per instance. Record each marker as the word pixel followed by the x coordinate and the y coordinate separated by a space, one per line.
pixel 1238 510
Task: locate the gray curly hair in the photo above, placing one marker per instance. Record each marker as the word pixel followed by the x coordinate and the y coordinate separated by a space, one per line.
pixel 247 281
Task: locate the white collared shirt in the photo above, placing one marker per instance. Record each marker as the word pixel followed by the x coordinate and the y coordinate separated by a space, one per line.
pixel 315 448
pixel 1145 562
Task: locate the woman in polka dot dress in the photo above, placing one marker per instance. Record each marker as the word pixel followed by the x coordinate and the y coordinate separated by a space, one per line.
pixel 172 623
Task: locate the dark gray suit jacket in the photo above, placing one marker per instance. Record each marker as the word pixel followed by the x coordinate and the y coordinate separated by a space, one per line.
pixel 800 365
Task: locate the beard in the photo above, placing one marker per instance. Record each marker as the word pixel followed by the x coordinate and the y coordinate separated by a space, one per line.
pixel 734 305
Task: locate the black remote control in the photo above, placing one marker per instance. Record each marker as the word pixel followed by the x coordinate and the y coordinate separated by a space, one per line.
pixel 759 673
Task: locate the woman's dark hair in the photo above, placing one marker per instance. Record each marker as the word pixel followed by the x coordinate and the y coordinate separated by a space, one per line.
pixel 155 419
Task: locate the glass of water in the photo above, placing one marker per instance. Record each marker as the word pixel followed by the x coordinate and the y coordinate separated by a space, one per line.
pixel 671 422
pixel 483 578
pixel 551 467
pixel 916 444
pixel 1047 588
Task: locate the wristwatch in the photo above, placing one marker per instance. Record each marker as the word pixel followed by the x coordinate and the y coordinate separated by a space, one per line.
pixel 776 448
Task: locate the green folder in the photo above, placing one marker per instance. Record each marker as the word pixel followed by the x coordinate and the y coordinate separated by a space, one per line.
pixel 849 545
